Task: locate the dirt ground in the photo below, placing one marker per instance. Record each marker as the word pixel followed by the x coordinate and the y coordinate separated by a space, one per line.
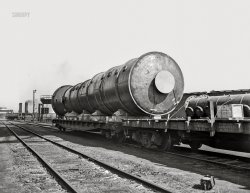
pixel 85 176
pixel 20 171
pixel 176 174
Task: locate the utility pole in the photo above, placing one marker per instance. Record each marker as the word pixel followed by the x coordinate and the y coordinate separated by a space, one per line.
pixel 34 91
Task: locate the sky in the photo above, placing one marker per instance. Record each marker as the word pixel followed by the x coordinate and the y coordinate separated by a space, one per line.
pixel 66 42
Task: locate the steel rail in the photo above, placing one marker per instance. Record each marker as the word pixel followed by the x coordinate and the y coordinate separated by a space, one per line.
pixel 38 125
pixel 209 161
pixel 61 180
pixel 195 158
pixel 213 153
pixel 119 172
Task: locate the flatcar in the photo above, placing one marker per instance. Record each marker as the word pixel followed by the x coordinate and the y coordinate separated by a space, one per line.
pixel 143 100
pixel 144 88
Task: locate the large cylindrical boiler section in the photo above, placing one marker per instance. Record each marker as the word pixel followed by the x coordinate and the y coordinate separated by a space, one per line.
pixel 151 84
pixel 57 101
pixel 95 96
pixel 74 102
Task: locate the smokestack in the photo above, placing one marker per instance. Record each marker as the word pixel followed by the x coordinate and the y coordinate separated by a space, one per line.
pixel 20 108
pixel 26 107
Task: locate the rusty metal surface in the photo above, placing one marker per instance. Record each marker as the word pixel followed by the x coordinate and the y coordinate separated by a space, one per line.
pixel 142 85
pixel 74 99
pixel 83 97
pixel 94 91
pixel 124 91
pixel 57 103
pixel 108 89
pixel 94 94
pixel 66 100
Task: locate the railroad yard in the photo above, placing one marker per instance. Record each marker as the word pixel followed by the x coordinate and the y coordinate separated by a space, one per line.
pixel 129 129
pixel 125 96
pixel 23 172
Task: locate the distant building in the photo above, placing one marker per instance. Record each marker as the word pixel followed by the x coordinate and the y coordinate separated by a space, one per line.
pixel 4 111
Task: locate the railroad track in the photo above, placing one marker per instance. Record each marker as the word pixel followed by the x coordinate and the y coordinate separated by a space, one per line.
pixel 223 157
pixel 229 161
pixel 61 178
pixel 226 160
pixel 38 124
